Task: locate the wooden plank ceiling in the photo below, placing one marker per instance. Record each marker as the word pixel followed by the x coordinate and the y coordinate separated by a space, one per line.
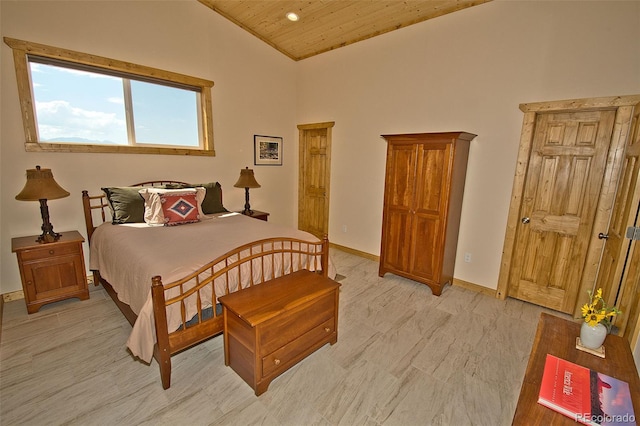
pixel 325 25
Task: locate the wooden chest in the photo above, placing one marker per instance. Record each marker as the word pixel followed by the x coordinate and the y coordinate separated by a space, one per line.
pixel 272 326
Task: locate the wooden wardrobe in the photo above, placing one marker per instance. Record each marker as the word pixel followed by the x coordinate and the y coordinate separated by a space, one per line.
pixel 424 185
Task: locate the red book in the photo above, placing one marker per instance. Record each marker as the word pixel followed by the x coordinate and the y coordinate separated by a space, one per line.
pixel 585 395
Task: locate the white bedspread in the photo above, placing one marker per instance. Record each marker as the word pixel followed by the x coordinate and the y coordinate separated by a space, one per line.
pixel 129 255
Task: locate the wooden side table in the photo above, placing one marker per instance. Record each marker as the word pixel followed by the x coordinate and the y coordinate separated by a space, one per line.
pixel 557 336
pixel 270 327
pixel 51 272
pixel 257 214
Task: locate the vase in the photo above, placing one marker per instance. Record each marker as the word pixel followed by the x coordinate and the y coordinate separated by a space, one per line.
pixel 592 337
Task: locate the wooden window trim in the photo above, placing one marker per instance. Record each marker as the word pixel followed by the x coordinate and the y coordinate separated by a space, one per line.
pixel 23 48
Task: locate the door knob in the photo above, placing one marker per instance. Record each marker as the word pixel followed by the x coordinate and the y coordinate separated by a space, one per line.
pixel 525 220
pixel 603 236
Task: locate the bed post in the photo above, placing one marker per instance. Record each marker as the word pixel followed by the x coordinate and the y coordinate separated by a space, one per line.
pixel 162 351
pixel 88 218
pixel 325 256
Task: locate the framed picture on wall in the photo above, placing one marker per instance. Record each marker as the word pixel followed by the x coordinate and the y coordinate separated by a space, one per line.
pixel 267 150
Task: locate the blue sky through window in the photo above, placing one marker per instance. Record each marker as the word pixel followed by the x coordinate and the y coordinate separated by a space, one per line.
pixel 164 115
pixel 89 108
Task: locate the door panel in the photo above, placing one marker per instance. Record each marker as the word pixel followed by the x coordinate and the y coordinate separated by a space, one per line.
pixel 425 248
pixel 561 191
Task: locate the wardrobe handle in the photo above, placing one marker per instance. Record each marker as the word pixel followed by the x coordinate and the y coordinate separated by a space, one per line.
pixel 525 220
pixel 603 236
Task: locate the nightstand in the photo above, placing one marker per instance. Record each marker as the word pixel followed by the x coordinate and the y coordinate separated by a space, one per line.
pixel 257 214
pixel 51 272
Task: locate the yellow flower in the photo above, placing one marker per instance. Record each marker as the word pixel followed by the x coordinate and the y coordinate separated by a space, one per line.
pixel 587 310
pixel 598 296
pixel 594 318
pixel 597 311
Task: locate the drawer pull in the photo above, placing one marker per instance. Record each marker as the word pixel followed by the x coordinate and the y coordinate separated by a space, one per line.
pixel 327 329
pixel 276 361
pixel 51 252
pixel 29 283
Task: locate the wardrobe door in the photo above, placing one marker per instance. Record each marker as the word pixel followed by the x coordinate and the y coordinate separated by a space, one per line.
pixel 397 230
pixel 431 200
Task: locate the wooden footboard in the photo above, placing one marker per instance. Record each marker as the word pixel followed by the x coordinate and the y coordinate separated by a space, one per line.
pixel 251 264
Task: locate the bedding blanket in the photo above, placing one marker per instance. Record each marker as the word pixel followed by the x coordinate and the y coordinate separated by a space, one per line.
pixel 129 255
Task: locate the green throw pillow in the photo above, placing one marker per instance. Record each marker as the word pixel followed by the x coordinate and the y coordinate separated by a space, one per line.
pixel 127 205
pixel 213 199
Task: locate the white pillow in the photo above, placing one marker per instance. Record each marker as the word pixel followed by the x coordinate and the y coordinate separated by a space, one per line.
pixel 153 207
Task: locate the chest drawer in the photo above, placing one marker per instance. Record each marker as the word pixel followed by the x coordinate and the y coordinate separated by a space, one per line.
pixel 284 328
pixel 49 252
pixel 282 357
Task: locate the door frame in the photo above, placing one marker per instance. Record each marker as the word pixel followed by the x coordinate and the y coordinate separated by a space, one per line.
pixel 624 106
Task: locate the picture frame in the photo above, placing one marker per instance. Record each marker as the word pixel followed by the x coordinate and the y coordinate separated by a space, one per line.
pixel 267 150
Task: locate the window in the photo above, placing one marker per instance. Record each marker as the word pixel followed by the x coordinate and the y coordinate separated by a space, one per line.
pixel 75 102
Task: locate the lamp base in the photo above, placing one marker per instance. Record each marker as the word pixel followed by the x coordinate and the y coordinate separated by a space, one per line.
pixel 247 207
pixel 47 236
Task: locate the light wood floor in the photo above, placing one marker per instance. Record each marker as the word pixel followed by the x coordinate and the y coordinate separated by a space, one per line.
pixel 403 357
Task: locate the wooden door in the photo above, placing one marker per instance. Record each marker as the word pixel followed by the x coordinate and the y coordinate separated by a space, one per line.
pixel 314 178
pixel 619 273
pixel 628 300
pixel 624 214
pixel 397 229
pixel 561 193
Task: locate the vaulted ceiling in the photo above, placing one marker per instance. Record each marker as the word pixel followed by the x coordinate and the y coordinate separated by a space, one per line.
pixel 325 25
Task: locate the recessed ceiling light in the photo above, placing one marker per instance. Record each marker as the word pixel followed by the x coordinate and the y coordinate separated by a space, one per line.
pixel 292 16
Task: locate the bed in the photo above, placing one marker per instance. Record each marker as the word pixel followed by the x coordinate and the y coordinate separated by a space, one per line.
pixel 166 279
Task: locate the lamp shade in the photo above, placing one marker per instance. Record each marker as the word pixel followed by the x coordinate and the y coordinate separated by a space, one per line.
pixel 247 180
pixel 41 186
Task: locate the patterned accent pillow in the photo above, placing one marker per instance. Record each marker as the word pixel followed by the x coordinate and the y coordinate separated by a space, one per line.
pixel 179 208
pixel 153 213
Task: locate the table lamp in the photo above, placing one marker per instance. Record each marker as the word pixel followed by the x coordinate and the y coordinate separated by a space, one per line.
pixel 246 181
pixel 41 187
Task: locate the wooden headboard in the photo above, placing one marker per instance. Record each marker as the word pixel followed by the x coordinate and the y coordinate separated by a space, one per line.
pixel 99 202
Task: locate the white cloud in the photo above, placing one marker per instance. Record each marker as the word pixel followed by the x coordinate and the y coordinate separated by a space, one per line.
pixel 60 119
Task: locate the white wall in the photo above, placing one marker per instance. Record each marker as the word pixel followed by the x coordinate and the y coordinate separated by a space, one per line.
pixel 466 71
pixel 254 93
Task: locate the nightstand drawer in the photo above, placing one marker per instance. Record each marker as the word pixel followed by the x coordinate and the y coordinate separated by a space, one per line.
pixel 48 252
